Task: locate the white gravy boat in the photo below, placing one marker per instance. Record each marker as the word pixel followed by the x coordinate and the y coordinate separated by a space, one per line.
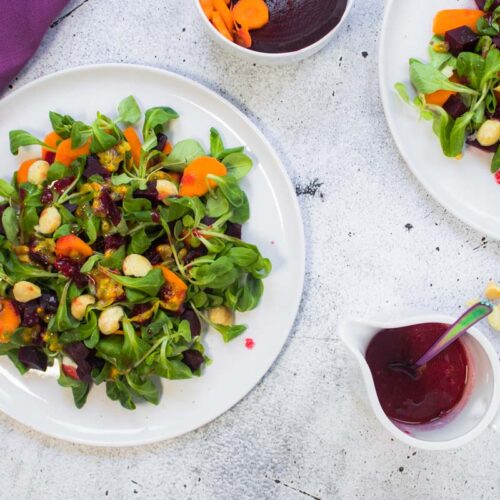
pixel 479 407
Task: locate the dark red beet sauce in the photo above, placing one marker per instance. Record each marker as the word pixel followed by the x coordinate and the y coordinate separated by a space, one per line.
pixel 295 24
pixel 441 383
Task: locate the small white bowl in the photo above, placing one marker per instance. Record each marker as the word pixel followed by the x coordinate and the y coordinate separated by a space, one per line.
pixel 270 59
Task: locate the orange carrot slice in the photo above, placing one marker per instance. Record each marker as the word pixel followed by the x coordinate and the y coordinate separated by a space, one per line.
pixel 167 149
pixel 253 14
pixel 194 180
pixel 173 293
pixel 447 20
pixel 221 7
pixel 135 144
pixel 52 139
pixel 439 97
pixel 242 37
pixel 9 320
pixel 208 7
pixel 66 155
pixel 220 25
pixel 22 173
pixel 73 247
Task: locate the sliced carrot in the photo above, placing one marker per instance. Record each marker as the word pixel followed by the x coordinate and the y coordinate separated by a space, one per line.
pixel 167 149
pixel 52 139
pixel 446 20
pixel 9 320
pixel 220 25
pixel 221 7
pixel 194 180
pixel 208 7
pixel 66 155
pixel 73 247
pixel 173 293
pixel 135 144
pixel 253 14
pixel 439 97
pixel 242 37
pixel 22 173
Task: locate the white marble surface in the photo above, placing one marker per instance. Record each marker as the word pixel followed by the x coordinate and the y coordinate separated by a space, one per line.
pixel 302 433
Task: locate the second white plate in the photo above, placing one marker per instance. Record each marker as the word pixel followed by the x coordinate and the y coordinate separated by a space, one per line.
pixel 466 187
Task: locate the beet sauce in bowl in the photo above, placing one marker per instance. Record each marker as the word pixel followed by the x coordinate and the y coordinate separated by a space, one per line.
pixel 440 385
pixel 296 24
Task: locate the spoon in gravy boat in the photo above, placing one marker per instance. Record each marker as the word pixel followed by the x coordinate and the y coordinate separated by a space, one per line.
pixel 472 316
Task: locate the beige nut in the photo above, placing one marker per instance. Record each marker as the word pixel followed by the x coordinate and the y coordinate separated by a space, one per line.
pixel 49 221
pixel 24 291
pixel 79 305
pixel 109 320
pixel 221 316
pixel 37 173
pixel 166 189
pixel 492 291
pixel 489 133
pixel 136 265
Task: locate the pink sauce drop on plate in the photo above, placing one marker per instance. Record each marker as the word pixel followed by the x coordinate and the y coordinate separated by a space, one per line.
pixel 440 385
pixel 249 343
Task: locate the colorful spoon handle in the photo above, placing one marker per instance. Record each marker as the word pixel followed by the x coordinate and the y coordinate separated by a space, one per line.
pixel 470 317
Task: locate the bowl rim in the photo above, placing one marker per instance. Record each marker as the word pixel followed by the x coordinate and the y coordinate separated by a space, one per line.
pixel 273 56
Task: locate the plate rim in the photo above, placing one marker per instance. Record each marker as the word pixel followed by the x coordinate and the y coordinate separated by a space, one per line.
pixel 384 95
pixel 300 246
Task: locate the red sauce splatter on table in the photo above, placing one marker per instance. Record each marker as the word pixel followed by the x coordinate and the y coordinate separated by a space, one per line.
pixel 249 343
pixel 497 177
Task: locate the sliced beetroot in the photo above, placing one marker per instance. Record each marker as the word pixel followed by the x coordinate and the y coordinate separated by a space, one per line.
pixel 233 230
pixel 83 371
pixel 111 210
pixel 475 144
pixel 71 269
pixel 208 221
pixel 62 184
pixel 461 39
pixel 29 313
pixel 194 359
pixel 141 309
pixel 48 302
pixel 77 351
pixel 194 322
pixel 93 167
pixel 162 141
pixel 33 358
pixel 114 242
pixel 150 193
pixel 195 253
pixel 455 106
pixel 70 207
pixel 47 197
pixel 50 157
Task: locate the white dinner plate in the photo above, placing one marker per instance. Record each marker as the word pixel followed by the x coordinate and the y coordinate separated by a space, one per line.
pixel 466 187
pixel 275 226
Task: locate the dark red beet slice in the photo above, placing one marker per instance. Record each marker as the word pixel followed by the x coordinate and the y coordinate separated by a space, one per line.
pixel 475 144
pixel 113 242
pixel 162 141
pixel 33 358
pixel 454 106
pixel 461 39
pixel 194 322
pixel 60 185
pixel 50 157
pixel 93 167
pixel 208 221
pixel 47 197
pixel 194 359
pixel 233 230
pixel 84 370
pixel 112 211
pixel 150 193
pixel 195 253
pixel 496 41
pixel 77 351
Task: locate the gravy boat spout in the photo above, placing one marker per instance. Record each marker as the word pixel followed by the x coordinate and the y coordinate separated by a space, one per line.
pixel 475 412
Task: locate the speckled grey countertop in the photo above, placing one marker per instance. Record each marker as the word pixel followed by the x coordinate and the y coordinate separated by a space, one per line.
pixel 376 242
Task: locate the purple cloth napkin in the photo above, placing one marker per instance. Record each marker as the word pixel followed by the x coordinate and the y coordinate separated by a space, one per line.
pixel 22 26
